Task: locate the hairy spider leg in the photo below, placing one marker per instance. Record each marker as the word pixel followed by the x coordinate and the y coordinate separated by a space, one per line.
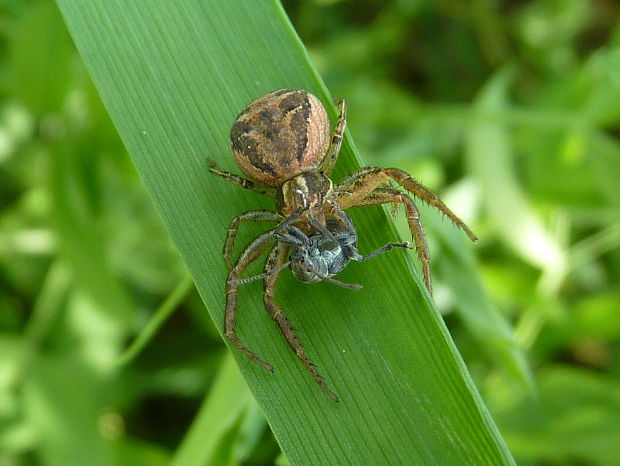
pixel 240 181
pixel 259 245
pixel 336 142
pixel 387 195
pixel 233 227
pixel 252 252
pixel 359 184
pixel 275 259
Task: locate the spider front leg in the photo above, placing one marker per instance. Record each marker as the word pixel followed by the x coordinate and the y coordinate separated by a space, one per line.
pixel 258 245
pixel 388 195
pixel 233 227
pixel 359 184
pixel 336 142
pixel 276 258
pixel 249 255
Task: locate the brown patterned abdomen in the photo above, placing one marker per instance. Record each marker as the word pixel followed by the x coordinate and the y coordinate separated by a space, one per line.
pixel 280 135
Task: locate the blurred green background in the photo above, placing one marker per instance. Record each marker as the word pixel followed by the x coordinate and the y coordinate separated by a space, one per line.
pixel 509 109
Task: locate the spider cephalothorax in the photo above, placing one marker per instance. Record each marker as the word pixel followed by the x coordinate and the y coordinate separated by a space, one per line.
pixel 282 142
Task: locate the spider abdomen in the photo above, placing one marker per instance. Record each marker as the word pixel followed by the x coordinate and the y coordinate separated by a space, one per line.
pixel 280 135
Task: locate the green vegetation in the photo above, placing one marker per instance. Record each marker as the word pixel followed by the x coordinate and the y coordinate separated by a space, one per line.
pixel 508 109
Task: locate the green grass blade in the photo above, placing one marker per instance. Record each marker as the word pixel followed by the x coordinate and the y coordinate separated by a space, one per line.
pixel 222 410
pixel 480 316
pixel 173 75
pixel 156 321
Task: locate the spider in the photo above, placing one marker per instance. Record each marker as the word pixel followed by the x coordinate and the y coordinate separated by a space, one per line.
pixel 282 143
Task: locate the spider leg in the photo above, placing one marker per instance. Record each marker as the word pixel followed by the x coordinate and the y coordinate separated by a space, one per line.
pixel 249 255
pixel 359 184
pixel 276 258
pixel 387 195
pixel 233 227
pixel 419 190
pixel 334 147
pixel 240 181
pixel 258 245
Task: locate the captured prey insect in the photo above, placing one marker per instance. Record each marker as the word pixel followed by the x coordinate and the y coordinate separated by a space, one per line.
pixel 282 142
pixel 323 253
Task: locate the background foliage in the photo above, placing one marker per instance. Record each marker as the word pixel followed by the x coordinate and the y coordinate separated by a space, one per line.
pixel 510 109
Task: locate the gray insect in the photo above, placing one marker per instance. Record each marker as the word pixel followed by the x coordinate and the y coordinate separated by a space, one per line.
pixel 327 250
